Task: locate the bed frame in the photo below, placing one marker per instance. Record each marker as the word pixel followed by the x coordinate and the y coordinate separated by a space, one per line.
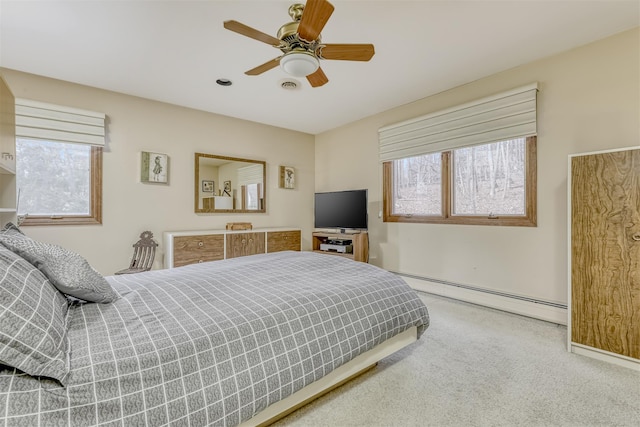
pixel 335 379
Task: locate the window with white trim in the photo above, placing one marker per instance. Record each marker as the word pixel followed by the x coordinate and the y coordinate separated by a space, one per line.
pixel 473 164
pixel 58 164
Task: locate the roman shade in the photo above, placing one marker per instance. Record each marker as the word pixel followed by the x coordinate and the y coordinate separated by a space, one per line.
pixel 250 175
pixel 50 122
pixel 496 118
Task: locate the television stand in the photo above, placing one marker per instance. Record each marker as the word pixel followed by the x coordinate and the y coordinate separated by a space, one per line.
pixel 359 244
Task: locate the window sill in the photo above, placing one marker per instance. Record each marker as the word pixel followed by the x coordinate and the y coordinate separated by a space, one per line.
pixel 465 220
pixel 64 220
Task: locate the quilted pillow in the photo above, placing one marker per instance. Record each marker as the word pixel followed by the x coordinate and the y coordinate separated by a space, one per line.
pixel 33 334
pixel 67 271
pixel 11 228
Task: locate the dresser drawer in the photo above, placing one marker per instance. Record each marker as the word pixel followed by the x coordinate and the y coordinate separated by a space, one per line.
pixel 243 244
pixel 283 241
pixel 194 249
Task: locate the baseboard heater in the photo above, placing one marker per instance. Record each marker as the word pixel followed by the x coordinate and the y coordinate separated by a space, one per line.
pixel 550 304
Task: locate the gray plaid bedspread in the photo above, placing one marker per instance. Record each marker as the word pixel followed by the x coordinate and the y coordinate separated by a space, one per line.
pixel 214 343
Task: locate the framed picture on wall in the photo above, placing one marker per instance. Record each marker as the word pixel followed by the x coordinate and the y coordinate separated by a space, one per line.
pixel 208 186
pixel 287 177
pixel 154 167
pixel 227 188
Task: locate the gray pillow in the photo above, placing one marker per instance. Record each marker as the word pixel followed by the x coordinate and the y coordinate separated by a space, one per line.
pixel 11 228
pixel 33 333
pixel 67 271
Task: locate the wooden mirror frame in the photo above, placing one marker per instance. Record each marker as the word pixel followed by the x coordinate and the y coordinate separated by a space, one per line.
pixel 197 209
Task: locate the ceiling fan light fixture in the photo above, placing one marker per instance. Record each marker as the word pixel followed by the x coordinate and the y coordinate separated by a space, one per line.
pixel 299 63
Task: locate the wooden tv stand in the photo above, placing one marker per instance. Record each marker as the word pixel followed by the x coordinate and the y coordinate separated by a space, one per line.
pixel 359 241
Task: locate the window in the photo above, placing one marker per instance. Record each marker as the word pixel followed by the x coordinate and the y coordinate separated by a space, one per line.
pixel 473 163
pixel 250 179
pixel 59 182
pixel 58 164
pixel 487 184
pixel 252 196
pixel 417 185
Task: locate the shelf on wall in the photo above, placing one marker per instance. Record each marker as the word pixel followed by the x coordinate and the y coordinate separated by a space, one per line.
pixel 359 243
pixel 7 169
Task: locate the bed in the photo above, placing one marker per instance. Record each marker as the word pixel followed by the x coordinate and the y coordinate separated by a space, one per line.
pixel 233 342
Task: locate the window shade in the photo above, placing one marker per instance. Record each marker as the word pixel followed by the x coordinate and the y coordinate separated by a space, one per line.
pixel 250 174
pixel 39 120
pixel 496 118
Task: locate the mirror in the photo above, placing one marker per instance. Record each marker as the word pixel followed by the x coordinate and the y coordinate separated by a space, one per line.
pixel 229 184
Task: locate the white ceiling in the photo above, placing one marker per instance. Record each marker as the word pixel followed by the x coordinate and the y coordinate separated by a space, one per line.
pixel 173 51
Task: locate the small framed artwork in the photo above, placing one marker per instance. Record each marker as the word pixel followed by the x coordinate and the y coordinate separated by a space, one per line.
pixel 207 186
pixel 287 177
pixel 227 188
pixel 154 167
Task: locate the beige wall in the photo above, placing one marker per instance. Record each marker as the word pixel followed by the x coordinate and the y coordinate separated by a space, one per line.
pixel 589 99
pixel 130 207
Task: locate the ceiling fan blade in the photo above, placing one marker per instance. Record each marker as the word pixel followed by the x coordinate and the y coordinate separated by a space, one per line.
pixel 318 78
pixel 245 30
pixel 347 52
pixel 264 67
pixel 315 15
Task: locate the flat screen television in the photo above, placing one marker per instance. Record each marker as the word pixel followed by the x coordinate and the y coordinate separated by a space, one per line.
pixel 341 209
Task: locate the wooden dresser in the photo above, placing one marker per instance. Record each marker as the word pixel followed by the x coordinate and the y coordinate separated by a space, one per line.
pixel 190 247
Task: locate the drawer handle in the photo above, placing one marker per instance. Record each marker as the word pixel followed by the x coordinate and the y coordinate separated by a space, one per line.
pixel 244 241
pixel 199 261
pixel 250 240
pixel 636 237
pixel 200 243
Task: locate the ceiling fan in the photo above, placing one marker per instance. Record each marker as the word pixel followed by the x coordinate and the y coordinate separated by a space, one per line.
pixel 301 45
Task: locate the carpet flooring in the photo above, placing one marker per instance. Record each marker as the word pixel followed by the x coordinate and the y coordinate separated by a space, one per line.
pixel 476 366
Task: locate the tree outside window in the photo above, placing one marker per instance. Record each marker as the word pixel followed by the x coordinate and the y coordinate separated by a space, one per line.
pixel 59 183
pixel 488 184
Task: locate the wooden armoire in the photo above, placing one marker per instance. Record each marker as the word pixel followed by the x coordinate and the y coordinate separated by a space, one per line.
pixel 604 255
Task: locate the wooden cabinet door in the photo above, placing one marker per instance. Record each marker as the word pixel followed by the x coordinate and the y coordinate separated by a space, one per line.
pixel 278 241
pixel 242 244
pixel 605 251
pixel 194 249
